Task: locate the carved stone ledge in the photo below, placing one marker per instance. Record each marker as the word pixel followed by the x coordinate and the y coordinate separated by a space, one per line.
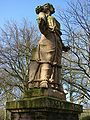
pixel 46 92
pixel 43 108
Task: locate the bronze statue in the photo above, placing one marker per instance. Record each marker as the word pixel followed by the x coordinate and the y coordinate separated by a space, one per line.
pixel 49 50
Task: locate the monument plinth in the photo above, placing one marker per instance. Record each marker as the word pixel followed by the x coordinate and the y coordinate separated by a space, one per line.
pixel 43 108
pixel 45 92
pixel 43 104
pixel 45 98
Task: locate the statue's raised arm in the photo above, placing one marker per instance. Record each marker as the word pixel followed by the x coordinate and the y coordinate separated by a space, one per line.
pixel 48 23
pixel 41 19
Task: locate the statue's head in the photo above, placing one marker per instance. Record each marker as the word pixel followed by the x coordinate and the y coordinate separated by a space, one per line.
pixel 45 7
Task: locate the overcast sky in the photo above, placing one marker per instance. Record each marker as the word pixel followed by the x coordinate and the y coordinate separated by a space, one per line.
pixel 19 9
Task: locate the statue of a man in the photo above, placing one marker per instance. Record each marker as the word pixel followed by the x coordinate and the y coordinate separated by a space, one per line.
pixel 50 47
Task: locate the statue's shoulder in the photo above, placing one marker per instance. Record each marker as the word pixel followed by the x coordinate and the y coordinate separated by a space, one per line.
pixel 50 17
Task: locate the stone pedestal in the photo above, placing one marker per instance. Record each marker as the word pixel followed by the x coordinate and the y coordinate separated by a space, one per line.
pixel 46 92
pixel 43 107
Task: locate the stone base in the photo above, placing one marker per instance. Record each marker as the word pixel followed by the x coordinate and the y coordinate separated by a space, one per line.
pixel 43 108
pixel 44 116
pixel 46 92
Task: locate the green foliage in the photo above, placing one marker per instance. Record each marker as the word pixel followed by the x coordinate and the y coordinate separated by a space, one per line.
pixel 85 118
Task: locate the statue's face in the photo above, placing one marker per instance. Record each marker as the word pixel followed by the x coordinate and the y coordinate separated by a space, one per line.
pixel 46 7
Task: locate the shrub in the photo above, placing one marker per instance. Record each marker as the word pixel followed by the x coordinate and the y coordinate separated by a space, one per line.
pixel 85 118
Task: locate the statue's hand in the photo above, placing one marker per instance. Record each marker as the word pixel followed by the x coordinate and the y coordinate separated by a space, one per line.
pixel 66 48
pixel 38 60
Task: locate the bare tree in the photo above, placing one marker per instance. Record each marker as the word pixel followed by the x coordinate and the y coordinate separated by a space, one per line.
pixel 16 44
pixel 76 67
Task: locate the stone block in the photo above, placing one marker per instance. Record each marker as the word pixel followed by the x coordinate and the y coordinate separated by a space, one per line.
pixel 46 92
pixel 43 108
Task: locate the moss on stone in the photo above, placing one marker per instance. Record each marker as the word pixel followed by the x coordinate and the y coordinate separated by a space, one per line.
pixel 43 102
